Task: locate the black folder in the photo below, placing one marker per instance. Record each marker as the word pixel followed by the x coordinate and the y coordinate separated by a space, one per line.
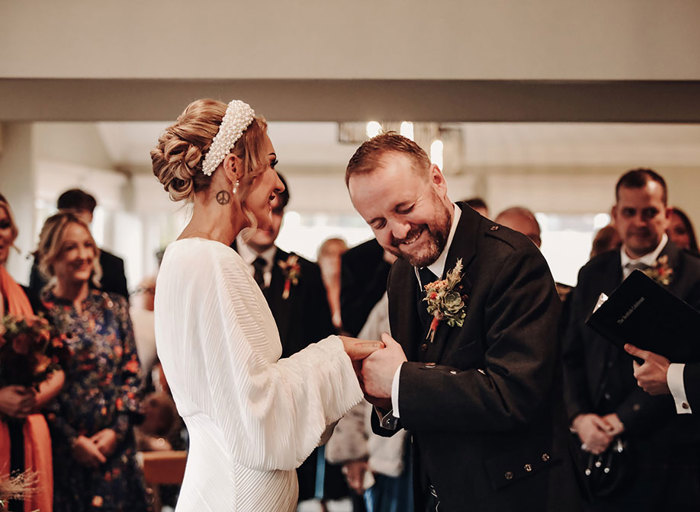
pixel 642 312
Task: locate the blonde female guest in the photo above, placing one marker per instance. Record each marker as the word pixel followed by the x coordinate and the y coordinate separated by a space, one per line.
pixel 25 442
pixel 92 417
pixel 252 417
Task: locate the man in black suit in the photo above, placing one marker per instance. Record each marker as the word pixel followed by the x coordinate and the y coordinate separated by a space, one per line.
pixel 363 275
pixel 113 278
pixel 476 383
pixel 604 402
pixel 297 298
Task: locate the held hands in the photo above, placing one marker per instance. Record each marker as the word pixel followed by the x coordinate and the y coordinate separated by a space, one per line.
pixel 106 441
pixel 616 426
pixel 17 401
pixel 357 350
pixel 651 376
pixel 375 364
pixel 93 451
pixel 379 368
pixel 86 452
pixel 596 432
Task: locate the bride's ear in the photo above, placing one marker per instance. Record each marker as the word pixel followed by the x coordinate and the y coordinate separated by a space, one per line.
pixel 231 167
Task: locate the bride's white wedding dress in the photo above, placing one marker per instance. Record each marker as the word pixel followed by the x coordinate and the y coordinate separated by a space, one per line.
pixel 252 418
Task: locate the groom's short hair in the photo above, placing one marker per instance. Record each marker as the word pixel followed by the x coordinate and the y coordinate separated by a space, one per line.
pixel 369 154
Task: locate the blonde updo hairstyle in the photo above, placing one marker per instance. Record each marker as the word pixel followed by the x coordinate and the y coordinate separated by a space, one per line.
pixel 178 157
pixel 51 246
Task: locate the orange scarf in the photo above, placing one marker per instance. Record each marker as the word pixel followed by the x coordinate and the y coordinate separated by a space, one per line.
pixel 13 294
pixel 37 442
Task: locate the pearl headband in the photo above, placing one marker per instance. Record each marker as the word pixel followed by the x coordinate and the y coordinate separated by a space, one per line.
pixel 238 117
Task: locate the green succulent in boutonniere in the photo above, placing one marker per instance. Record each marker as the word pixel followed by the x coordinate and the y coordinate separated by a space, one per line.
pixel 291 270
pixel 445 300
pixel 660 271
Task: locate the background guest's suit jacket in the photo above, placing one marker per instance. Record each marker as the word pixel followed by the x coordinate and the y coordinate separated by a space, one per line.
pixel 363 275
pixel 113 276
pixel 305 316
pixel 483 401
pixel 599 376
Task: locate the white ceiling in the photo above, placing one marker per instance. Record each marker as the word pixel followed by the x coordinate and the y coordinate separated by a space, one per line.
pixel 315 145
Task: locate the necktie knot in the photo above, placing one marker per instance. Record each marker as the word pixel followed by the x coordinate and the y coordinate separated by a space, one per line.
pixel 636 265
pixel 426 277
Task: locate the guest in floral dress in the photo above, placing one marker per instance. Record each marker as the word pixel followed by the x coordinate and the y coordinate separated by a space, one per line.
pixel 92 419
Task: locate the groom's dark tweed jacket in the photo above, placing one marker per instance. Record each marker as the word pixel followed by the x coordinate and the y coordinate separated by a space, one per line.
pixel 483 402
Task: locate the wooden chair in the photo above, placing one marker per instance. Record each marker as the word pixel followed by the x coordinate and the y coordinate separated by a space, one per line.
pixel 166 467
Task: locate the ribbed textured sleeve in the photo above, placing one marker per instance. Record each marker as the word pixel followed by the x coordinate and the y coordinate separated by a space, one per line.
pixel 219 347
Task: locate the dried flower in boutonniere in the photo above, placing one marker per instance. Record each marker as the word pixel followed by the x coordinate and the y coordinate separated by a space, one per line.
pixel 18 487
pixel 445 302
pixel 291 270
pixel 660 272
pixel 30 349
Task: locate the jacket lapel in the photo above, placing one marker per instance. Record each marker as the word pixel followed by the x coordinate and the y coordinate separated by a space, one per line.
pixel 463 246
pixel 281 308
pixel 673 253
pixel 403 312
pixel 603 352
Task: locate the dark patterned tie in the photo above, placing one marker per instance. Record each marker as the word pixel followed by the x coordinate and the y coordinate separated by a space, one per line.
pixel 258 271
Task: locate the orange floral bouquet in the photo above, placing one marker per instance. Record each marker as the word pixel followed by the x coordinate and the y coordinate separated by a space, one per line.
pixel 30 350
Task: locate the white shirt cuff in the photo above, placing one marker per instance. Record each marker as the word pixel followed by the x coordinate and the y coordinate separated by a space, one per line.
pixel 395 392
pixel 674 379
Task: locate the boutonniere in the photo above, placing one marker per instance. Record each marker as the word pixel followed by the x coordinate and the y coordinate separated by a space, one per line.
pixel 660 271
pixel 445 300
pixel 291 270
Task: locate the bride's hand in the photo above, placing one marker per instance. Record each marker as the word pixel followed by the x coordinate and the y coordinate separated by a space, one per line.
pixel 359 349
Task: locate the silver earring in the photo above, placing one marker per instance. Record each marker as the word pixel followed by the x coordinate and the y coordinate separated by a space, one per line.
pixel 235 186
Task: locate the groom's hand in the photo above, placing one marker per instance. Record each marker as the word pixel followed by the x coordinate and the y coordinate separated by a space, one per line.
pixel 359 349
pixel 379 368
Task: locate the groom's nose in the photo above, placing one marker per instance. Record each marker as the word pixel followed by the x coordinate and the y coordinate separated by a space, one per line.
pixel 399 229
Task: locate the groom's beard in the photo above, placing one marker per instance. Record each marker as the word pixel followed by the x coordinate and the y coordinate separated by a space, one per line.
pixel 423 252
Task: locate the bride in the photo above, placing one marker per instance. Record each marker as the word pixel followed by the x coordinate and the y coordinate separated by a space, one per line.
pixel 252 417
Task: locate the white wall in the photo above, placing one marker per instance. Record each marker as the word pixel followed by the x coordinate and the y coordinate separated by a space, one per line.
pixel 17 185
pixel 441 39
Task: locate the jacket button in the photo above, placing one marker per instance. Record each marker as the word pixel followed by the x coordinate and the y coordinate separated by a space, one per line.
pixel 494 227
pixel 453 372
pixel 545 457
pixel 528 467
pixel 430 365
pixel 424 347
pixel 508 475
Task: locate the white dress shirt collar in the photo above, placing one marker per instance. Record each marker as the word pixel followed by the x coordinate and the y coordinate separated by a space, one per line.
pixel 248 254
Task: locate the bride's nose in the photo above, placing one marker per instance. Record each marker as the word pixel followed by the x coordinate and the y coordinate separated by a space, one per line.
pixel 279 186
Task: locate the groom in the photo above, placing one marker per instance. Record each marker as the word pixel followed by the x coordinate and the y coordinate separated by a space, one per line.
pixel 477 380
